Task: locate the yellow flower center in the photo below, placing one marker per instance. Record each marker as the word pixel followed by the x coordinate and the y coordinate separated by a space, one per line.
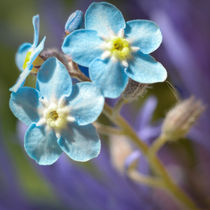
pixel 56 118
pixel 53 116
pixel 120 48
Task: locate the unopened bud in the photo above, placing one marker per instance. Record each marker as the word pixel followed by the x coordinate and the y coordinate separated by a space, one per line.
pixel 120 149
pixel 181 118
pixel 133 90
pixel 74 21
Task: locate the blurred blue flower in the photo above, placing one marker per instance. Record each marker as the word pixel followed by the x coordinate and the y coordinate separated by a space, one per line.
pixel 114 50
pixel 145 128
pixel 9 182
pixel 27 56
pixel 11 187
pixel 74 21
pixel 58 115
pixel 186 51
pixel 143 123
pixel 105 189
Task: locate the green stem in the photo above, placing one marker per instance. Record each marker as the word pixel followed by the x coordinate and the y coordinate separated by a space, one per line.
pixel 119 105
pixel 107 130
pixel 158 143
pixel 142 179
pixel 155 163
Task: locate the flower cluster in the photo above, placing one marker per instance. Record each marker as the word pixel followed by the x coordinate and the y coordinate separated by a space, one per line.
pixel 58 113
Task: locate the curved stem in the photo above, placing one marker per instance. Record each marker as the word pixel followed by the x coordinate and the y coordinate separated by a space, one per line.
pixel 155 163
pixel 142 179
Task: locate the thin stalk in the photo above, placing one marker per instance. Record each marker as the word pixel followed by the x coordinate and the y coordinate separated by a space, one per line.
pixel 158 143
pixel 142 179
pixel 119 105
pixel 107 130
pixel 155 163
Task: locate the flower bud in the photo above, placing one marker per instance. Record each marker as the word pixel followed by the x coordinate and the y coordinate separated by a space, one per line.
pixel 74 21
pixel 133 90
pixel 120 149
pixel 181 118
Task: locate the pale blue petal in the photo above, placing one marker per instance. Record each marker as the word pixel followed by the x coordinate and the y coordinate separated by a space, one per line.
pixel 87 103
pixel 82 46
pixel 80 143
pixel 145 69
pixel 24 104
pixel 36 51
pixel 144 116
pixel 21 55
pixel 41 146
pixel 20 81
pixel 109 76
pixel 104 18
pixel 144 34
pixel 74 21
pixel 35 21
pixel 53 79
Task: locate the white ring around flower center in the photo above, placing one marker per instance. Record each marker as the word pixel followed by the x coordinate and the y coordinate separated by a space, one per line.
pixel 55 114
pixel 118 48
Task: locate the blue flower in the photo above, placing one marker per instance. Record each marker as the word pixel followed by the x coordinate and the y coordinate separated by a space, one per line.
pixel 27 56
pixel 58 115
pixel 114 50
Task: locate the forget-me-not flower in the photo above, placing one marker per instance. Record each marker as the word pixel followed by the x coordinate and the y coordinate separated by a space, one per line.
pixel 58 115
pixel 27 59
pixel 115 50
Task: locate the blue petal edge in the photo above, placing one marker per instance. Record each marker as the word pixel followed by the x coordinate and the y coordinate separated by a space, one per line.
pixel 80 143
pixel 104 18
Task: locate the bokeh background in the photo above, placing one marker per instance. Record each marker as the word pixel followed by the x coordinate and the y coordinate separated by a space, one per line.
pixel 102 183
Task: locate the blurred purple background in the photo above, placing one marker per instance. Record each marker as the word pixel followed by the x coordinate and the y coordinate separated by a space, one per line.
pixel 98 184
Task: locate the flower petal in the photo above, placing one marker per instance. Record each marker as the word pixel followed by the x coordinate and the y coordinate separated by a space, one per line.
pixel 35 21
pixel 24 104
pixel 21 54
pixel 81 143
pixel 109 76
pixel 144 34
pixel 83 46
pixel 41 146
pixel 104 18
pixel 53 79
pixel 36 51
pixel 145 69
pixel 20 81
pixel 144 116
pixel 87 103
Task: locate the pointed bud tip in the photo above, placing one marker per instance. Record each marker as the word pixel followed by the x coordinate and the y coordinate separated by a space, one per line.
pixel 181 118
pixel 74 21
